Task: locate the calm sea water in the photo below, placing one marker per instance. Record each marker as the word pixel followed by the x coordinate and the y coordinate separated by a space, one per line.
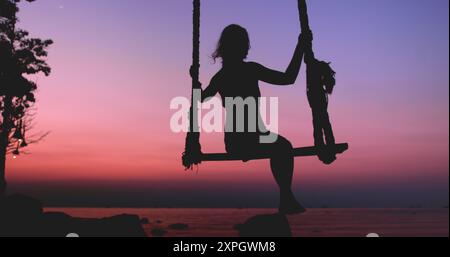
pixel 314 223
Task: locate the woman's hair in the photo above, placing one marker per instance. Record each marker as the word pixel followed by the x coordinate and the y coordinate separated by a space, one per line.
pixel 234 44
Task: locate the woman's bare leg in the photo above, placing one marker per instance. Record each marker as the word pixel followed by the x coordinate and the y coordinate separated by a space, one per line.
pixel 282 165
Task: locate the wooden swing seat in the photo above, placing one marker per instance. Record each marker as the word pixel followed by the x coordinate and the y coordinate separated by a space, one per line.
pixel 298 152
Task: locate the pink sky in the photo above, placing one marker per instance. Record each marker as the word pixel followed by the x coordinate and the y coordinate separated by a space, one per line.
pixel 107 100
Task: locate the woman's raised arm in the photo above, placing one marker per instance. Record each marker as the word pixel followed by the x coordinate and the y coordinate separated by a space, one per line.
pixel 290 75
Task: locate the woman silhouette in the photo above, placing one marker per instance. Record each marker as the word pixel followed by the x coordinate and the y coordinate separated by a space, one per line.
pixel 239 78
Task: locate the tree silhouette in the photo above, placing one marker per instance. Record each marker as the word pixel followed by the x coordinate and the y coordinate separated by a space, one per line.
pixel 20 55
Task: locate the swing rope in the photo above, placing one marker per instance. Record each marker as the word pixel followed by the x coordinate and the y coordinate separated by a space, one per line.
pixel 192 154
pixel 304 24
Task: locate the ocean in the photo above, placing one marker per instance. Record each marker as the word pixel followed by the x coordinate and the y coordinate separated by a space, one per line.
pixel 314 223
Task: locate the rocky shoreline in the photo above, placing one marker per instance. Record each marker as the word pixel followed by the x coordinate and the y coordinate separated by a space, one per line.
pixel 23 216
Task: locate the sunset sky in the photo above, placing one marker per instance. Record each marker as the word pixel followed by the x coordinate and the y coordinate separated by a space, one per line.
pixel 118 64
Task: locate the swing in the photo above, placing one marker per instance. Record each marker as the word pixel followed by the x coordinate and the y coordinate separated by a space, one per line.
pixel 193 154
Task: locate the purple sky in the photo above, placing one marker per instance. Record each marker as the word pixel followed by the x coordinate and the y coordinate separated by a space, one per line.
pixel 117 64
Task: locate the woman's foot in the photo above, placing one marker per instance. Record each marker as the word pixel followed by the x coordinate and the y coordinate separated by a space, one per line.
pixel 290 206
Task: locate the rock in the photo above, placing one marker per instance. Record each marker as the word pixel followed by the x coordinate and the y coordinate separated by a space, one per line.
pixel 23 216
pixel 275 225
pixel 117 226
pixel 57 216
pixel 158 232
pixel 57 224
pixel 145 221
pixel 20 206
pixel 61 225
pixel 20 215
pixel 179 226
